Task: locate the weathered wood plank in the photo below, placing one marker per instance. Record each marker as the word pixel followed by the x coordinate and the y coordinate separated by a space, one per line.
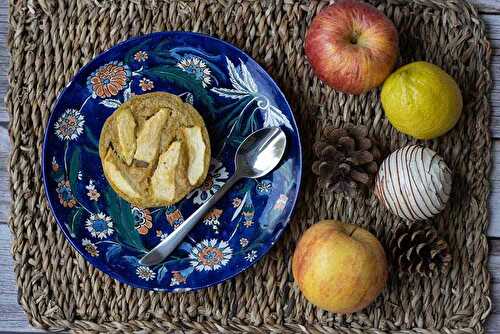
pixel 5 198
pixel 492 22
pixel 4 58
pixel 493 324
pixel 12 317
pixel 487 6
pixel 495 98
pixel 494 209
pixel 493 27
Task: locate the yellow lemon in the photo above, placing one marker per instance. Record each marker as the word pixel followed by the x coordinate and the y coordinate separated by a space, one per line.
pixel 422 100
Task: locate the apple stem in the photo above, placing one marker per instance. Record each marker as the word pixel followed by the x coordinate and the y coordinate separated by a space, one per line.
pixel 354 38
pixel 352 232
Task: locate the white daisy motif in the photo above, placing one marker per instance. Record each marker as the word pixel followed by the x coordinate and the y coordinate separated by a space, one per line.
pixel 70 125
pixel 210 255
pixel 264 187
pixel 90 247
pixel 251 256
pixel 243 242
pixel 214 181
pixel 141 56
pixel 197 67
pixel 99 225
pixel 146 84
pixel 145 273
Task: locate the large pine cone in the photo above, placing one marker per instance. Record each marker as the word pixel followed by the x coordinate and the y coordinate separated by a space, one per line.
pixel 347 159
pixel 418 249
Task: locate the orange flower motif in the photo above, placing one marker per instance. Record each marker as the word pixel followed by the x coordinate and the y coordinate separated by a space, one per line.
pixel 55 165
pixel 142 220
pixel 281 202
pixel 213 214
pixel 212 219
pixel 92 193
pixel 141 56
pixel 65 195
pixel 174 216
pixel 210 255
pixel 109 79
pixel 236 202
pixel 90 247
pixel 146 84
pixel 248 216
pixel 207 184
pixel 248 223
pixel 144 228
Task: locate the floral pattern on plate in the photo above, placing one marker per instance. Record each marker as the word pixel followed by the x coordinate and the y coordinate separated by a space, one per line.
pixel 216 178
pixel 235 97
pixel 210 255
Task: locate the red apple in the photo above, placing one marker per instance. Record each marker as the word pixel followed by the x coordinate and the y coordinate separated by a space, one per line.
pixel 352 46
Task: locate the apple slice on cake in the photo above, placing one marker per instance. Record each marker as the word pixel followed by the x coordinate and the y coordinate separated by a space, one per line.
pixel 196 153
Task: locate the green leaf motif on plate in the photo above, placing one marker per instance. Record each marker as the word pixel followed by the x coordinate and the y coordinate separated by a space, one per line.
pixel 123 221
pixel 74 168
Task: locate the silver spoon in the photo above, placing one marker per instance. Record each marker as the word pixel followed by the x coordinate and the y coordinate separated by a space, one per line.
pixel 256 156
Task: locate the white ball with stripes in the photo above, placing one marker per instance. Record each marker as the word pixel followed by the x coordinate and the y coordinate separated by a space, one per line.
pixel 414 183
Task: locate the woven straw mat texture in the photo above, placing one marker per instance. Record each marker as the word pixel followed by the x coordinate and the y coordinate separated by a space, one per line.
pixel 50 40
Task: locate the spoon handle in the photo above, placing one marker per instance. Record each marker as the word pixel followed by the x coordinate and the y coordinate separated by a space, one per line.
pixel 170 243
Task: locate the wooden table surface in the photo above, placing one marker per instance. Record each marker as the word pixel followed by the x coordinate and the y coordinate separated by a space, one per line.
pixel 13 319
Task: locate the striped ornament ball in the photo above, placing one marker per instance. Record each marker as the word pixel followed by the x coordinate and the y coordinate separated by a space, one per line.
pixel 414 183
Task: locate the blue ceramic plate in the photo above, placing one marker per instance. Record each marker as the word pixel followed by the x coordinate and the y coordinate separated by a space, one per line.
pixel 235 96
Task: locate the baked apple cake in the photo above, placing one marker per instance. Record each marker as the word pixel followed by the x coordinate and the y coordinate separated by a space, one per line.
pixel 154 149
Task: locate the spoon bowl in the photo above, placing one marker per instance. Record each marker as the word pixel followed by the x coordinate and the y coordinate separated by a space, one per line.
pixel 260 152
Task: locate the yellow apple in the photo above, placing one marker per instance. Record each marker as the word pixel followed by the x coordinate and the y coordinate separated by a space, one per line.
pixel 339 267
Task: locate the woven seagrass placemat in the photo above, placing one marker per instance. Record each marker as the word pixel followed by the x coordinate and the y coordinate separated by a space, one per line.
pixel 51 40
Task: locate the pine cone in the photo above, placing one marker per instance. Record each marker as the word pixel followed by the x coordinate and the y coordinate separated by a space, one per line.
pixel 347 159
pixel 419 249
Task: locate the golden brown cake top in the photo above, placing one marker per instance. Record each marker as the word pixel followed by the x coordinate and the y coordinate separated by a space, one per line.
pixel 154 149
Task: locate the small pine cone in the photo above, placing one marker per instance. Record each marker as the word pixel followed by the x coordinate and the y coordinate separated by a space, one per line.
pixel 347 159
pixel 419 249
